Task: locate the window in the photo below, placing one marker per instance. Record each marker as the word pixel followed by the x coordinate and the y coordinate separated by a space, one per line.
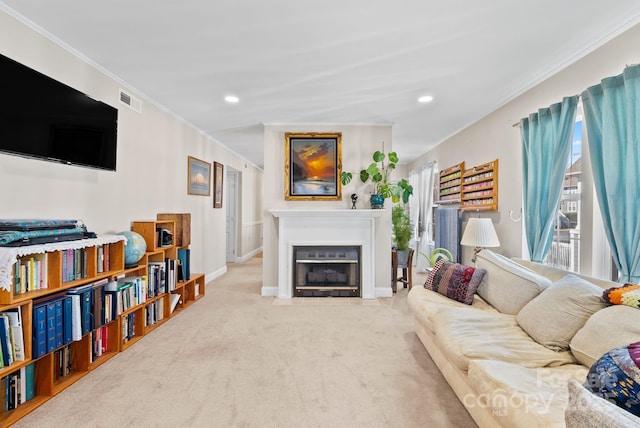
pixel 579 241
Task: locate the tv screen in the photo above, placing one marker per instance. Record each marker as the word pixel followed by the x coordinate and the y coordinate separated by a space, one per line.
pixel 46 119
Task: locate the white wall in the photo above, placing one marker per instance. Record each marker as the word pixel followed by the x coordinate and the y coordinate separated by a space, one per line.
pixel 494 136
pixel 358 144
pixel 151 172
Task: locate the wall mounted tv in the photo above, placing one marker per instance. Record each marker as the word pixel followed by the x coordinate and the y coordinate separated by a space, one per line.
pixel 46 119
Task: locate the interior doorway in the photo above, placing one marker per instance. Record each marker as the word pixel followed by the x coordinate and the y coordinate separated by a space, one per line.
pixel 232 191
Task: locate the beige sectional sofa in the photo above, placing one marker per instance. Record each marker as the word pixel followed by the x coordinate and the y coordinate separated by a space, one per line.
pixel 530 331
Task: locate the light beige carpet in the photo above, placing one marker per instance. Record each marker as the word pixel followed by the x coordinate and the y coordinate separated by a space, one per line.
pixel 236 359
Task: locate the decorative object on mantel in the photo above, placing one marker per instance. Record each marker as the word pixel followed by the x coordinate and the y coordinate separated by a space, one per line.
pixel 354 199
pixel 378 172
pixel 313 166
pixel 479 233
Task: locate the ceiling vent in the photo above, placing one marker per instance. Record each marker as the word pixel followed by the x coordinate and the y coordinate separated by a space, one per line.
pixel 134 103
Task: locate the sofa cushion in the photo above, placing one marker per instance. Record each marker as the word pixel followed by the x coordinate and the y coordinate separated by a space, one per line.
pixel 426 303
pixel 456 281
pixel 507 285
pixel 616 377
pixel 628 294
pixel 587 410
pixel 606 329
pixel 464 335
pixel 520 396
pixel 556 315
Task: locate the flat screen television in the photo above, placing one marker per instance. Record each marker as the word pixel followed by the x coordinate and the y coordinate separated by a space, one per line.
pixel 46 119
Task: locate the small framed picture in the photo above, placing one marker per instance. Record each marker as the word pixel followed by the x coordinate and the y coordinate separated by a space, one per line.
pixel 218 177
pixel 313 166
pixel 199 177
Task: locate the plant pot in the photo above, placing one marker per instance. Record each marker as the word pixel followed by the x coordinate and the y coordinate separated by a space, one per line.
pixel 403 258
pixel 377 201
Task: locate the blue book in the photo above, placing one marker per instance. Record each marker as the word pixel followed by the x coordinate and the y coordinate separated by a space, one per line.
pixel 184 255
pixel 39 330
pixel 59 323
pixel 5 342
pixel 30 390
pixel 51 326
pixel 67 320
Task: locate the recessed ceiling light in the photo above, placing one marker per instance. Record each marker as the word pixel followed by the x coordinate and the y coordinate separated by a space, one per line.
pixel 425 99
pixel 231 99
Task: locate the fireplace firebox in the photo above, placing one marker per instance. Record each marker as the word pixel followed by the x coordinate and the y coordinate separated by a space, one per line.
pixel 326 271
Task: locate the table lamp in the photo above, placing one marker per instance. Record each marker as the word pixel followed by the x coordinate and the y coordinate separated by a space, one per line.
pixel 479 233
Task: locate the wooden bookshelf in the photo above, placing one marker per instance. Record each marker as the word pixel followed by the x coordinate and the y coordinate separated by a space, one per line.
pixel 450 184
pixel 480 187
pixel 83 356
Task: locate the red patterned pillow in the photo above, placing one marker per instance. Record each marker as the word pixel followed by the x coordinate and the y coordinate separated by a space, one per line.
pixel 456 281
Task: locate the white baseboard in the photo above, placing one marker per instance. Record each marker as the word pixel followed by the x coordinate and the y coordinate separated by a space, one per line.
pixel 249 255
pixel 215 274
pixel 269 291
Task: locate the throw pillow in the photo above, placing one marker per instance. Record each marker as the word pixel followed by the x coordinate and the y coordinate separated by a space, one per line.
pixel 616 377
pixel 556 315
pixel 507 285
pixel 456 281
pixel 628 294
pixel 608 328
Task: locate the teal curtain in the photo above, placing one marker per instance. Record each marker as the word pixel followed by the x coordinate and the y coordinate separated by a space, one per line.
pixel 546 144
pixel 612 118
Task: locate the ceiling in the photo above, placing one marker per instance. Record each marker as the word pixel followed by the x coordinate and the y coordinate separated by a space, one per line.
pixel 330 61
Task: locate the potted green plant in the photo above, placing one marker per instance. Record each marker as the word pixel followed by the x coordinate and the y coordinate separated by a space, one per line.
pixel 378 173
pixel 402 232
pixel 437 253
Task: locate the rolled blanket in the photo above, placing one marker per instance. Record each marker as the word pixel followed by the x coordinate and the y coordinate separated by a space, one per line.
pixel 628 294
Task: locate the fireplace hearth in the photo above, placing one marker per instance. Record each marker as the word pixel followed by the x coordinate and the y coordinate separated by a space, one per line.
pixel 326 271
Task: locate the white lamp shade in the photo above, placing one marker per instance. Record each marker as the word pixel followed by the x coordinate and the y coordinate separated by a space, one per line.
pixel 480 232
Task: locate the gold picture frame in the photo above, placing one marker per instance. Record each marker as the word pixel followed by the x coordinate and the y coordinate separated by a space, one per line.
pixel 218 178
pixel 313 165
pixel 198 177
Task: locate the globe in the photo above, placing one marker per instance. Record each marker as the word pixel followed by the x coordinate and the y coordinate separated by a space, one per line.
pixel 134 248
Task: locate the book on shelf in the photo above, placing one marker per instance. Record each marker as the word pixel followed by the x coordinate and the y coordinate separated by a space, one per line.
pixel 157 277
pixel 184 256
pixel 175 299
pixel 39 330
pixel 5 340
pixel 17 335
pixel 76 317
pixel 18 387
pixel 30 374
pixel 30 273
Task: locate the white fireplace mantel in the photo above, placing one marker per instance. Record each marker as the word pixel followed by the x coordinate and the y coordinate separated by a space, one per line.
pixel 326 227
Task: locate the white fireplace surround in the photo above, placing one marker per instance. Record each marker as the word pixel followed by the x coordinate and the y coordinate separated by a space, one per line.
pixel 326 227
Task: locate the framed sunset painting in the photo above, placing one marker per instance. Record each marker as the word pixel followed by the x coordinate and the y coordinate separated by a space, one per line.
pixel 199 177
pixel 313 166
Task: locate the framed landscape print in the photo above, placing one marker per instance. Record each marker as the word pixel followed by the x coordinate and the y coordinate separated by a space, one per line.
pixel 313 166
pixel 199 177
pixel 218 177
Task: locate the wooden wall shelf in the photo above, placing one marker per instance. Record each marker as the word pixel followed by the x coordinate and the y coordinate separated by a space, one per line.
pixel 479 189
pixel 451 184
